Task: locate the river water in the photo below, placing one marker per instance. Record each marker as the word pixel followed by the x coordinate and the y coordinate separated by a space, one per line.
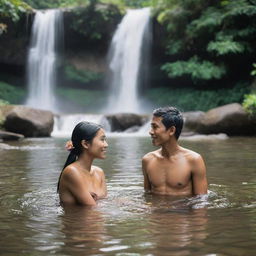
pixel 128 222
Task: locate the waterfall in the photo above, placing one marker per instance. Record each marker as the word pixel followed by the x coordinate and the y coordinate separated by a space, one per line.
pixel 64 124
pixel 42 57
pixel 131 39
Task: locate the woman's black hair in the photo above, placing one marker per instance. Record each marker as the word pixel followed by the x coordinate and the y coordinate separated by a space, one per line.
pixel 82 131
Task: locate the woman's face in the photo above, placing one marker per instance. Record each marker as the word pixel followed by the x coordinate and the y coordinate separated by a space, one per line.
pixel 98 146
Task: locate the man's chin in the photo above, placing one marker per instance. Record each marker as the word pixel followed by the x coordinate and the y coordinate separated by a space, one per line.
pixel 155 143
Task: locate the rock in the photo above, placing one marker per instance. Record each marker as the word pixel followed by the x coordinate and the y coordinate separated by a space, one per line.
pixel 132 129
pixel 10 136
pixel 230 119
pixel 123 121
pixel 202 137
pixel 29 122
pixel 192 120
pixel 4 146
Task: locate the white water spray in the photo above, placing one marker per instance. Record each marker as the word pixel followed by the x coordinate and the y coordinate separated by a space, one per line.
pixel 132 35
pixel 47 29
pixel 64 124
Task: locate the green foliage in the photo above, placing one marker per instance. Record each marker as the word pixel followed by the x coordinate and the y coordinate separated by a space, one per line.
pixel 84 98
pixel 3 103
pixel 197 69
pixel 253 73
pixel 12 9
pixel 92 21
pixel 208 31
pixel 249 104
pixel 46 4
pixel 189 99
pixel 226 46
pixel 128 3
pixel 39 4
pixel 12 94
pixel 81 76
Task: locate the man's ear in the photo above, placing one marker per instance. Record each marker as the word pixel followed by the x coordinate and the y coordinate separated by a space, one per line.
pixel 172 130
pixel 85 144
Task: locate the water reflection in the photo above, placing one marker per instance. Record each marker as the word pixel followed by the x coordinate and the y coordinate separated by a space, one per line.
pixel 177 232
pixel 128 222
pixel 83 229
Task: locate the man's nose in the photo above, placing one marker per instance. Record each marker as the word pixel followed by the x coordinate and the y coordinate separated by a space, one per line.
pixel 151 132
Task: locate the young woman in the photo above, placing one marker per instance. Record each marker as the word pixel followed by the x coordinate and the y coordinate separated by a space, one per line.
pixel 80 182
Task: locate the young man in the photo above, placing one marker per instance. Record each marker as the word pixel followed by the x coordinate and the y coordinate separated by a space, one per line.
pixel 172 169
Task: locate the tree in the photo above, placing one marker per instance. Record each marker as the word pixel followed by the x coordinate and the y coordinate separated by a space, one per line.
pixel 207 39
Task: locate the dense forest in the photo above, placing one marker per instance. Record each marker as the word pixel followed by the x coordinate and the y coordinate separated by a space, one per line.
pixel 203 53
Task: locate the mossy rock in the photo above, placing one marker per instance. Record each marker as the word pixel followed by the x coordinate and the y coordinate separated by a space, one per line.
pixel 4 110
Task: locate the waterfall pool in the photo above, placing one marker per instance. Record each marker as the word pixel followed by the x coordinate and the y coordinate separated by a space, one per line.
pixel 128 222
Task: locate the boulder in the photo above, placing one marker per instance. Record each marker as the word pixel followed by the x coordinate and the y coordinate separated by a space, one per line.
pixel 10 136
pixel 123 121
pixel 29 122
pixel 230 119
pixel 192 120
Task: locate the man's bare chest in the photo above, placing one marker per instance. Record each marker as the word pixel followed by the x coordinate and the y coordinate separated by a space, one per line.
pixel 169 173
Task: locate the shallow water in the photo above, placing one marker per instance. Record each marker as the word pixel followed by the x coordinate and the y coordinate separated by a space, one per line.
pixel 128 222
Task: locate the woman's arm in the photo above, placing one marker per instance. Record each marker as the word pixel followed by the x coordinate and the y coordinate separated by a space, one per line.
pixel 77 187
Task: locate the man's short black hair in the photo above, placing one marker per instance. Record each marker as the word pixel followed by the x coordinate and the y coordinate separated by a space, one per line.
pixel 171 116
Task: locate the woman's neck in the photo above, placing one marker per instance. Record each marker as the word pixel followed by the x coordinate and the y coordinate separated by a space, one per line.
pixel 85 161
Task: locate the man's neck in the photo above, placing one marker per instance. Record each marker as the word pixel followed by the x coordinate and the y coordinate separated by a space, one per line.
pixel 170 148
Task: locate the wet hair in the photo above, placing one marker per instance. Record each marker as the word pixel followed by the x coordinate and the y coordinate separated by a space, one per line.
pixel 171 116
pixel 82 131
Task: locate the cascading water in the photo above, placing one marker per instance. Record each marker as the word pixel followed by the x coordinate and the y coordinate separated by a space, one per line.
pixel 64 124
pixel 41 69
pixel 132 37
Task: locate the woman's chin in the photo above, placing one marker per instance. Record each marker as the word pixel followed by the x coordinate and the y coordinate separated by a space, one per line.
pixel 102 156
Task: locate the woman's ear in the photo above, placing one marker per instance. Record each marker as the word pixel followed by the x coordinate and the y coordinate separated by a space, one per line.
pixel 85 144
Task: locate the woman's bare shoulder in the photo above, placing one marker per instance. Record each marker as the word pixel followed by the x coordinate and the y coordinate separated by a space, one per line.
pixel 97 170
pixel 71 172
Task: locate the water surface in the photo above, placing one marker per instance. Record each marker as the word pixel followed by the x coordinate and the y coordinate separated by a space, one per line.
pixel 128 222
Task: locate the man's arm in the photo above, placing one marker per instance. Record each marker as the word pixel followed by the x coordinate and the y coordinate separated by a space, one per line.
pixel 78 188
pixel 147 184
pixel 199 179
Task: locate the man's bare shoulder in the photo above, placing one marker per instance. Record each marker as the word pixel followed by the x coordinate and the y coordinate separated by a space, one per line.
pixel 190 154
pixel 193 157
pixel 150 156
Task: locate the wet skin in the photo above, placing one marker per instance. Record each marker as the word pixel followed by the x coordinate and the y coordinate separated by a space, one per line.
pixel 172 169
pixel 81 183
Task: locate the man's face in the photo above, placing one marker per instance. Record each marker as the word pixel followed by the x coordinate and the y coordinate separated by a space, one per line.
pixel 158 132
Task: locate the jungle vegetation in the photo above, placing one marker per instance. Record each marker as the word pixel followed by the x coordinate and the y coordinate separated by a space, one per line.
pixel 209 46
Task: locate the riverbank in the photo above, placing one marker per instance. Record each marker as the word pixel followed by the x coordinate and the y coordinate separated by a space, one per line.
pixel 230 119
